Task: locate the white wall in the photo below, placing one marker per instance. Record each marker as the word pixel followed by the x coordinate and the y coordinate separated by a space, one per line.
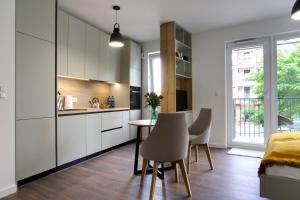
pixel 7 107
pixel 209 67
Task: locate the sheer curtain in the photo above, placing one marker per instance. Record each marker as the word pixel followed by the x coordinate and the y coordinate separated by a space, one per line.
pixel 154 73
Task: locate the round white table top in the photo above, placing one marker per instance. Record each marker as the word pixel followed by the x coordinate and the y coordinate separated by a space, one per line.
pixel 144 123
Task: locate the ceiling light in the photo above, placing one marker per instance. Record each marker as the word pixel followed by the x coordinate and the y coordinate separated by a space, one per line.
pixel 296 11
pixel 116 39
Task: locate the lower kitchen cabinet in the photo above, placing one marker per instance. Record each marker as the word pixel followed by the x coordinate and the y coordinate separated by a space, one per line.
pixel 85 134
pixel 112 138
pixel 35 146
pixel 111 120
pixel 126 132
pixel 93 133
pixel 134 115
pixel 71 138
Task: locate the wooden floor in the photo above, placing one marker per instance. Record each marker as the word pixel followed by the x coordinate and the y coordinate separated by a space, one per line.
pixel 110 177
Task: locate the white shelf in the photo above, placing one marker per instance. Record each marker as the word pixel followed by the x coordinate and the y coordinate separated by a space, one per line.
pixel 183 76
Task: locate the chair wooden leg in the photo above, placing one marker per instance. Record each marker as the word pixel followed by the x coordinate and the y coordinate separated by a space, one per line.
pixel 154 174
pixel 206 147
pixel 185 178
pixel 144 169
pixel 176 172
pixel 189 159
pixel 196 152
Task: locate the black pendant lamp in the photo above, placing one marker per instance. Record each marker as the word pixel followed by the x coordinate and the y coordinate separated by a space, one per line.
pixel 116 39
pixel 296 11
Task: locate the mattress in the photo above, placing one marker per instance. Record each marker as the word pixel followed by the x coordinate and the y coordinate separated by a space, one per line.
pixel 284 171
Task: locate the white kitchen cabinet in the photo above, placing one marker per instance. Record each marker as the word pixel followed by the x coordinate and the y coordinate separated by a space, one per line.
pixel 35 147
pixel 135 55
pixel 104 64
pixel 62 43
pixel 76 48
pixel 134 115
pixel 71 138
pixel 35 77
pixel 37 18
pixel 111 138
pixel 135 77
pixel 126 132
pixel 114 64
pixel 111 120
pixel 131 64
pixel 135 64
pixel 109 60
pixel 92 52
pixel 93 133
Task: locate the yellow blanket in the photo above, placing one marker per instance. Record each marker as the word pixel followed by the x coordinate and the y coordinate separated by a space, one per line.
pixel 282 149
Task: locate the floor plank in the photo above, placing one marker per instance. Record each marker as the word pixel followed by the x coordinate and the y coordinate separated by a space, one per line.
pixel 110 177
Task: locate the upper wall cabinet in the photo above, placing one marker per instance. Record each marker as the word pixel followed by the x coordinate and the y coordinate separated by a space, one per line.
pixel 103 73
pixel 114 65
pixel 37 20
pixel 62 43
pixel 83 51
pixel 92 51
pixel 131 64
pixel 109 61
pixel 76 48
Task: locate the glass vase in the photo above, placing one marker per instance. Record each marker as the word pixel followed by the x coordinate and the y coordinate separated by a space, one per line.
pixel 154 114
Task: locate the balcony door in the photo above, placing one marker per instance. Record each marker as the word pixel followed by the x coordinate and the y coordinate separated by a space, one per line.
pixel 248 90
pixel 287 89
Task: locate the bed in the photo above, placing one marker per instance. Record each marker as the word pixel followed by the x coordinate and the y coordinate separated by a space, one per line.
pixel 279 171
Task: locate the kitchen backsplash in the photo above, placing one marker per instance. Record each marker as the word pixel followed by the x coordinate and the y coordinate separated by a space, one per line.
pixel 83 90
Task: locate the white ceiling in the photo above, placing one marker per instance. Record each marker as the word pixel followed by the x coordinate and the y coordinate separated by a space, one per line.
pixel 140 19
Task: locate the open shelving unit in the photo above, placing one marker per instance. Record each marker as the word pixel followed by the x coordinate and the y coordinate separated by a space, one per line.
pixel 176 57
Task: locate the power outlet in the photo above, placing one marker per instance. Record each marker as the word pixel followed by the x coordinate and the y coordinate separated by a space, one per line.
pixel 74 99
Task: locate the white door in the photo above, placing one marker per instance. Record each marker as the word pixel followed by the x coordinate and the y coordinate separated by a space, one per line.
pixel 249 90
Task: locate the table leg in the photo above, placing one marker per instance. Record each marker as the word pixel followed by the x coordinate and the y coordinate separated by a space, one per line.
pixel 137 148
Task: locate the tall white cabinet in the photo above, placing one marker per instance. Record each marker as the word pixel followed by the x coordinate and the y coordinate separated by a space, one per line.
pixel 35 87
pixel 131 71
pixel 62 43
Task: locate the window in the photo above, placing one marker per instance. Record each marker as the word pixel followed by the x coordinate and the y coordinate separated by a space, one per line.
pixel 246 92
pixel 246 71
pixel 154 73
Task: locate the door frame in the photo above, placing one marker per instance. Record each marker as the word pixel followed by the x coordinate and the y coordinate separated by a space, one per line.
pixel 268 104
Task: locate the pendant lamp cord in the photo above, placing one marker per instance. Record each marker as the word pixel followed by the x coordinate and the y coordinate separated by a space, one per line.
pixel 116 16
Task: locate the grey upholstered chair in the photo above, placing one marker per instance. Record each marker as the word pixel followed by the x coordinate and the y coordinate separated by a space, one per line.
pixel 168 142
pixel 199 135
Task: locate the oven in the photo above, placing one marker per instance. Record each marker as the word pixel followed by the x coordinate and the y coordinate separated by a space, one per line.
pixel 135 98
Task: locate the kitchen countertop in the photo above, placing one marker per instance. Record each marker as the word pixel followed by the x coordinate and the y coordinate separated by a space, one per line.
pixel 88 111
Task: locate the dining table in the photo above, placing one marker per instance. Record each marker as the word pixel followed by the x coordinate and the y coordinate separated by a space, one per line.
pixel 146 123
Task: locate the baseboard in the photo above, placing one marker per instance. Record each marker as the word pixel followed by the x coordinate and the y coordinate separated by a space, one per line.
pixel 219 146
pixel 8 190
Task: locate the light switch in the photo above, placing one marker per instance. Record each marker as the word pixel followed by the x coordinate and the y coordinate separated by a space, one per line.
pixel 3 92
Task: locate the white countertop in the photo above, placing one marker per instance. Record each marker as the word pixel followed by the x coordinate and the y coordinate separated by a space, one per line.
pixel 89 110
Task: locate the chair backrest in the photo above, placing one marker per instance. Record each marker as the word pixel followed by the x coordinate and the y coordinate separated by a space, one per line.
pixel 202 124
pixel 168 140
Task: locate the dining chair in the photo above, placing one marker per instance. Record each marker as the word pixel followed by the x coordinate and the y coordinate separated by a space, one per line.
pixel 167 142
pixel 199 134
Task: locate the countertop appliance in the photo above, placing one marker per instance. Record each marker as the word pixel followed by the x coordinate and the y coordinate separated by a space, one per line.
pixel 135 98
